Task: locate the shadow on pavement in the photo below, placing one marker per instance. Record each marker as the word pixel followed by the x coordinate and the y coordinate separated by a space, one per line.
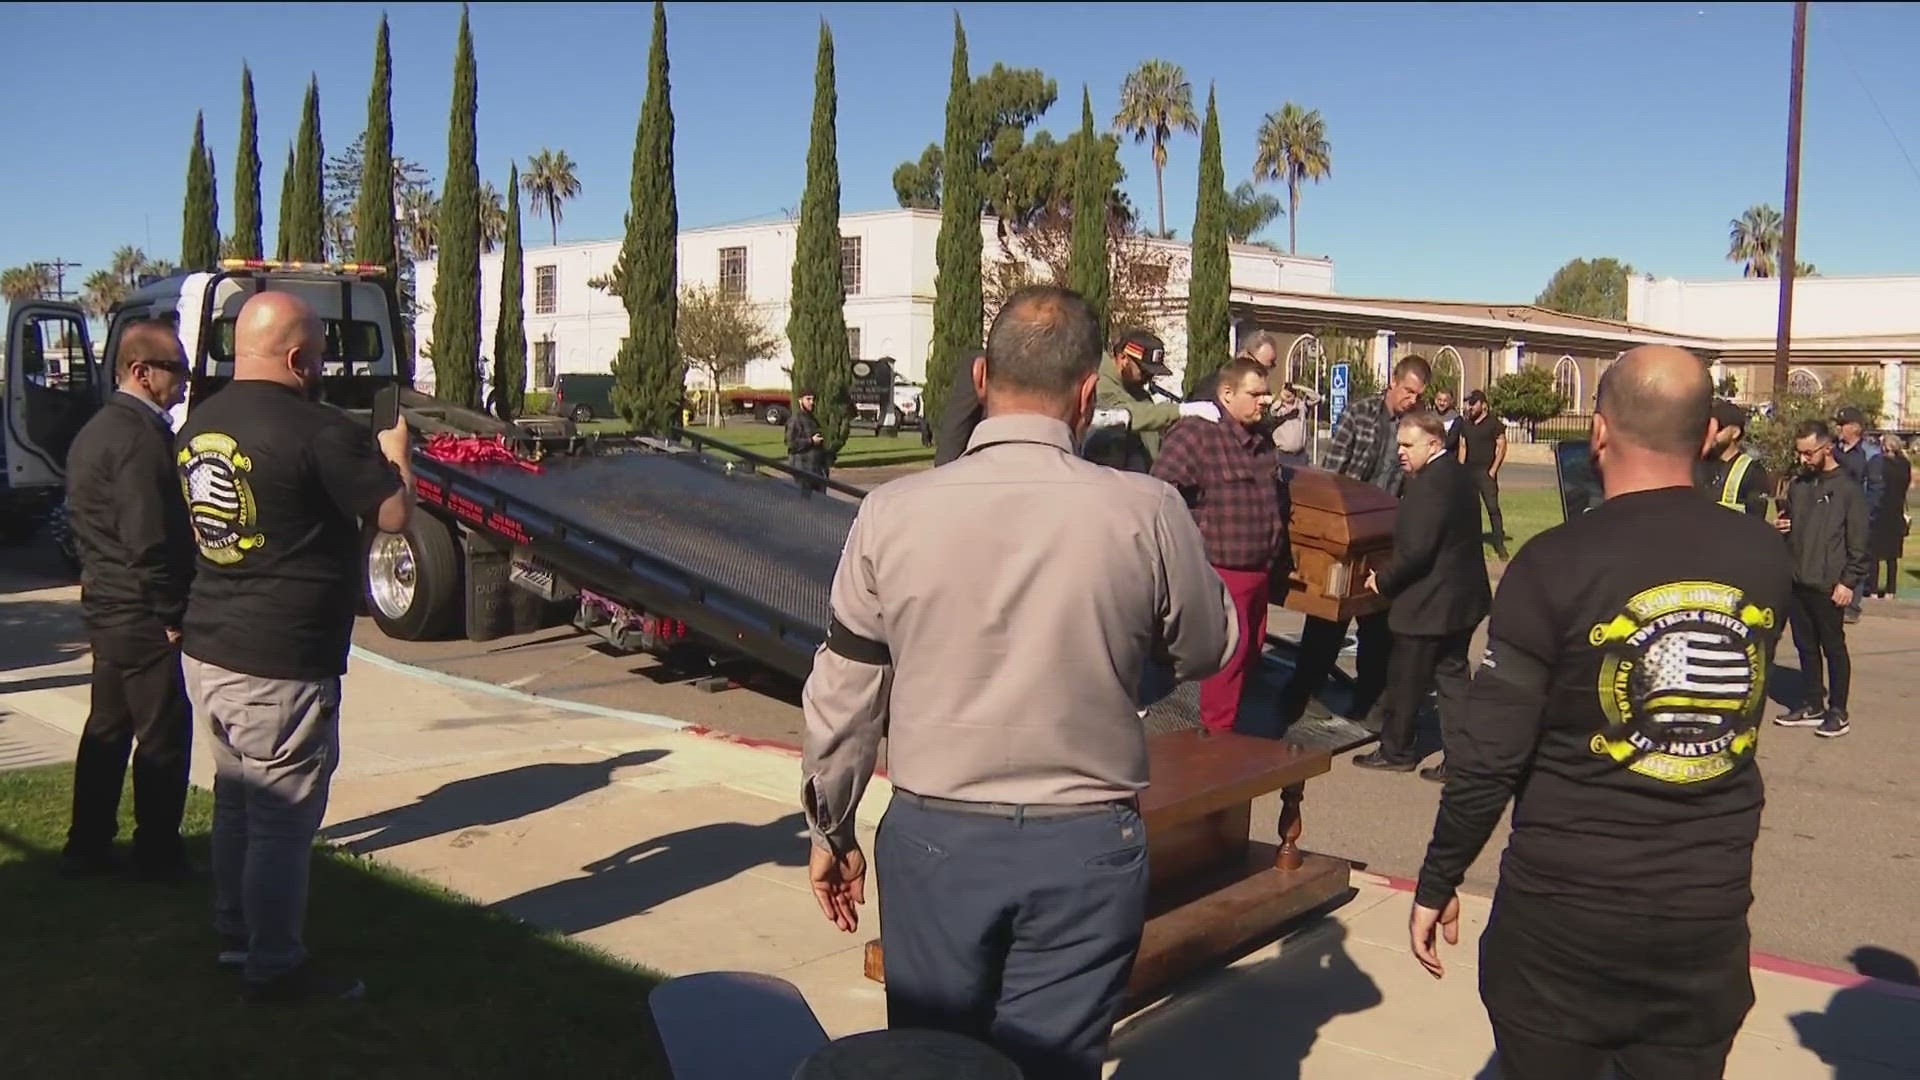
pixel 1866 1032
pixel 655 871
pixel 47 682
pixel 1258 1020
pixel 493 799
pixel 36 632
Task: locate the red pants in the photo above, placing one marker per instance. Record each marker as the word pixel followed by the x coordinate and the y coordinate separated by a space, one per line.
pixel 1220 695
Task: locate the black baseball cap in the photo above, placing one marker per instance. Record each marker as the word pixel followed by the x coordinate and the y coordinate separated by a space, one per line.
pixel 1729 415
pixel 1476 397
pixel 1849 415
pixel 1145 348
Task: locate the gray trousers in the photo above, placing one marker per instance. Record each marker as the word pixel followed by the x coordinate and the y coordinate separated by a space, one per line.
pixel 275 745
pixel 1018 932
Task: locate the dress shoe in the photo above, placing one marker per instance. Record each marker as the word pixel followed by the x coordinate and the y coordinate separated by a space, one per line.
pixel 1437 773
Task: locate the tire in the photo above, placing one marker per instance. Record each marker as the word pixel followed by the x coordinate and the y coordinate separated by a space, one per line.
pixel 775 415
pixel 411 583
pixel 581 413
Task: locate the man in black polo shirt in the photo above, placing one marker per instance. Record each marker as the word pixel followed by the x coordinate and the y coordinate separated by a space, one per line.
pixel 1482 439
pixel 277 485
pixel 1618 704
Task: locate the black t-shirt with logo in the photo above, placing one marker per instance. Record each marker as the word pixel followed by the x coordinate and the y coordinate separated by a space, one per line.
pixel 1619 705
pixel 1480 435
pixel 276 485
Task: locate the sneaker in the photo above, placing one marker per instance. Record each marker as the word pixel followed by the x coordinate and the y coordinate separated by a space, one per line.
pixel 1804 716
pixel 304 985
pixel 1834 726
pixel 233 950
pixel 1437 774
pixel 1381 763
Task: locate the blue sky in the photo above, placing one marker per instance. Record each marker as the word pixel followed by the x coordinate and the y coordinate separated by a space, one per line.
pixel 1475 147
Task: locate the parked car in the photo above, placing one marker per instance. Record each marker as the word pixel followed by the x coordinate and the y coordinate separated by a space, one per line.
pixel 772 406
pixel 581 398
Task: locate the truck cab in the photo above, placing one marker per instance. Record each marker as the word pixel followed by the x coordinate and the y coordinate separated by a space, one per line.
pixel 55 380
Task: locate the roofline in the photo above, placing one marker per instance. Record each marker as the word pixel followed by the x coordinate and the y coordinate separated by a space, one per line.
pixel 1636 335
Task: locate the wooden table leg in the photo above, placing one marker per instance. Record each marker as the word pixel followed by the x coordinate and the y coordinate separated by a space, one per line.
pixel 1289 856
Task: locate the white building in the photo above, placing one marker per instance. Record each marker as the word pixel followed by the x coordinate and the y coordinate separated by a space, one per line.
pixel 887 258
pixel 1841 326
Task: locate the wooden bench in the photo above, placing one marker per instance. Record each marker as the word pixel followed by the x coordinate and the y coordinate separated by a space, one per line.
pixel 1212 890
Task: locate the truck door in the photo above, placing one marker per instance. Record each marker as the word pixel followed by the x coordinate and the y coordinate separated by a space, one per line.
pixel 53 387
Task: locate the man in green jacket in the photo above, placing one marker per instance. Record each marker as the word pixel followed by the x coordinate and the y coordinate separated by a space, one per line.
pixel 1127 421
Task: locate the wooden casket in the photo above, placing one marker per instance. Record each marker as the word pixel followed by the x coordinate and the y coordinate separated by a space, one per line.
pixel 1339 529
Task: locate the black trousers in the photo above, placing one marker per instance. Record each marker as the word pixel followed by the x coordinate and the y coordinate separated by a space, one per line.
pixel 139 708
pixel 1018 932
pixel 1489 488
pixel 1421 663
pixel 1886 577
pixel 1820 632
pixel 1320 641
pixel 1570 990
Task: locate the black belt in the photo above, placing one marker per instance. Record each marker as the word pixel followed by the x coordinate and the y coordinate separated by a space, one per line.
pixel 1016 811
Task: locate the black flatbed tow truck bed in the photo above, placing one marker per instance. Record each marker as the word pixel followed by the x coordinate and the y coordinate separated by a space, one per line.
pixel 738 557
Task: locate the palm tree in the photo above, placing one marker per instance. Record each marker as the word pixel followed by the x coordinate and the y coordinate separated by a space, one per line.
pixel 1753 238
pixel 1292 146
pixel 1155 100
pixel 1249 211
pixel 102 290
pixel 419 211
pixel 493 217
pixel 127 263
pixel 160 268
pixel 30 282
pixel 549 182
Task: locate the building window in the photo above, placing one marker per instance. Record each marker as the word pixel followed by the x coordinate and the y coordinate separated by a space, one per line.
pixel 850 268
pixel 1803 381
pixel 1447 370
pixel 1566 383
pixel 543 374
pixel 853 342
pixel 546 290
pixel 733 271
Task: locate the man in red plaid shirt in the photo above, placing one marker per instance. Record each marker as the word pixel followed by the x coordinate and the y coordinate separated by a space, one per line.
pixel 1228 472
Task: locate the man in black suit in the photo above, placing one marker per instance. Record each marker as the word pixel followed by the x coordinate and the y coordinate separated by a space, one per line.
pixel 136 563
pixel 961 414
pixel 1438 585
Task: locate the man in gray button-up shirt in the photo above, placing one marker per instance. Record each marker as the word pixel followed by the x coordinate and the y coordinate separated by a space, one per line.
pixel 991 618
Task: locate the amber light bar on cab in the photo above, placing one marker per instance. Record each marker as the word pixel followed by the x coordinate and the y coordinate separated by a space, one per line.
pixel 367 269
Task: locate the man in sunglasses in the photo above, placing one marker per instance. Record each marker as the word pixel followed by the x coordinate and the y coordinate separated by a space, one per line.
pixel 136 549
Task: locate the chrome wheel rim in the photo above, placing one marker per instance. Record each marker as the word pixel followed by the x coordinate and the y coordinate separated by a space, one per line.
pixel 391 574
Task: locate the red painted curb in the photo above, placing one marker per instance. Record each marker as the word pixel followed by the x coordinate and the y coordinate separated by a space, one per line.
pixel 1777 965
pixel 758 744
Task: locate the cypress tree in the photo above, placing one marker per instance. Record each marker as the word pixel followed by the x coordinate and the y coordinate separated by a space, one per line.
pixel 1208 326
pixel 817 327
pixel 307 240
pixel 1087 271
pixel 649 376
pixel 456 291
pixel 199 224
pixel 245 241
pixel 213 206
pixel 285 233
pixel 373 234
pixel 958 306
pixel 510 332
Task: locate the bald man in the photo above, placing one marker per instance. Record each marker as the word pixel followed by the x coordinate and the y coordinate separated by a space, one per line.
pixel 136 563
pixel 1618 705
pixel 278 486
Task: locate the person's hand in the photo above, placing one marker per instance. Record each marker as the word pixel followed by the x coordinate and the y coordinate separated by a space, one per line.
pixel 393 442
pixel 818 438
pixel 1373 581
pixel 1842 596
pixel 839 884
pixel 1205 409
pixel 173 635
pixel 1421 927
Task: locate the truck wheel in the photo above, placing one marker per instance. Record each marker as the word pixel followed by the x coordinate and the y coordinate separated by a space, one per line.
pixel 412 581
pixel 775 415
pixel 581 413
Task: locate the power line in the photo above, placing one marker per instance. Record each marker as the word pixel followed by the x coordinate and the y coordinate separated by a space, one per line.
pixel 59 268
pixel 1847 59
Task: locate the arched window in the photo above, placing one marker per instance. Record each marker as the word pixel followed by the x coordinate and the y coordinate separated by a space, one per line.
pixel 1303 359
pixel 1803 380
pixel 1566 383
pixel 1446 369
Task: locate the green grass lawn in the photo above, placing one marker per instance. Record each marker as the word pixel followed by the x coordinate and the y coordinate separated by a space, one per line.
pixel 861 451
pixel 116 977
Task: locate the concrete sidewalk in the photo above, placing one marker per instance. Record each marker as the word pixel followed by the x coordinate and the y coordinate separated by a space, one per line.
pixel 684 852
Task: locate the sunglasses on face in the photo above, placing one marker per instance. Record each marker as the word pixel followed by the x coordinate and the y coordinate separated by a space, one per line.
pixel 174 366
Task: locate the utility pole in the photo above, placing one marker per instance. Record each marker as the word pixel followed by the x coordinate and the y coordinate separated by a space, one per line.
pixel 1783 336
pixel 59 267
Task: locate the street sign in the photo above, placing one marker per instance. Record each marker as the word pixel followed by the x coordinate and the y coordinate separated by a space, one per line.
pixel 1337 395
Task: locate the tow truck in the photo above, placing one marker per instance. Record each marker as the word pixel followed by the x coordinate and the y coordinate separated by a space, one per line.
pixel 652 544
